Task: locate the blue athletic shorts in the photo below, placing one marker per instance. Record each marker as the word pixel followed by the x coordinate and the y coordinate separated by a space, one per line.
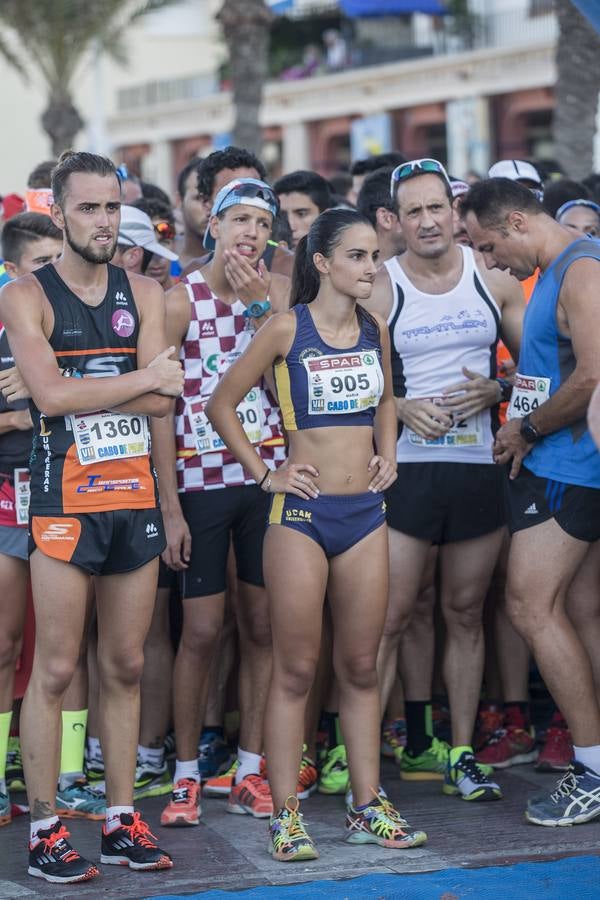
pixel 335 522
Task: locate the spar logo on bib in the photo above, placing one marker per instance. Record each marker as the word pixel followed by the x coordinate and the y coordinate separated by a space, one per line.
pixel 123 323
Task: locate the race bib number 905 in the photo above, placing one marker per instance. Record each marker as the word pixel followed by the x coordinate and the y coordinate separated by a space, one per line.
pixel 343 383
pixel 108 435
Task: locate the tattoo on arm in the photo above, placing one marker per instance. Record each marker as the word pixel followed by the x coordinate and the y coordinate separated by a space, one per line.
pixel 42 809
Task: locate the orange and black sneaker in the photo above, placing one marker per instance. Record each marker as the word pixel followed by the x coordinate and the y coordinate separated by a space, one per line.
pixel 220 785
pixel 308 777
pixel 184 806
pixel 52 858
pixel 252 796
pixel 132 844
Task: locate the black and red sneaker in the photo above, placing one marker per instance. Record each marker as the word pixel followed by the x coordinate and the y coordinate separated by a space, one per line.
pixel 133 844
pixel 55 860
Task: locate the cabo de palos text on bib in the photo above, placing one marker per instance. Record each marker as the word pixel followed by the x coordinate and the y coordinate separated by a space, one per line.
pixel 343 382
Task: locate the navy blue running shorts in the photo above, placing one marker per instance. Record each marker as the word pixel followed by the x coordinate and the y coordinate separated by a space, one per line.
pixel 334 521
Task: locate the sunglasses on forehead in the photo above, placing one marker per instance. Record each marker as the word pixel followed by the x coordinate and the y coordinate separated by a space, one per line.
pixel 255 191
pixel 405 170
pixel 164 231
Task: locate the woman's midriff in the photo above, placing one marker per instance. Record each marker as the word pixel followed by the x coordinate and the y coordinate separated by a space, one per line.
pixel 341 455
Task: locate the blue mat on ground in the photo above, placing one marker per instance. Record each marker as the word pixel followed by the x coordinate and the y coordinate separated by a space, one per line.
pixel 578 877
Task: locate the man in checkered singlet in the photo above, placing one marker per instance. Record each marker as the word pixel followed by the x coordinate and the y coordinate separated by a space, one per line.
pixel 207 498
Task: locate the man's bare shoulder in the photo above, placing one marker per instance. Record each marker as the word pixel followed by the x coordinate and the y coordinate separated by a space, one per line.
pixel 501 285
pixel 194 264
pixel 382 295
pixel 24 290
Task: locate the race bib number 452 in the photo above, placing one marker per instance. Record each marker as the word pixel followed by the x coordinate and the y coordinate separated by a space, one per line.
pixel 107 435
pixel 529 392
pixel 343 383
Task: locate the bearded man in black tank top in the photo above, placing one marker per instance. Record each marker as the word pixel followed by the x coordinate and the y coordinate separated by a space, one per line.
pixel 93 499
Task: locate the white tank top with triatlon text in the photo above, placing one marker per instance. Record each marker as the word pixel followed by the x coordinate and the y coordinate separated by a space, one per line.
pixel 433 336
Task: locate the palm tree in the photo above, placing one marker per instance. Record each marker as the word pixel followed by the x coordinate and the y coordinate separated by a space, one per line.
pixel 577 87
pixel 55 37
pixel 245 25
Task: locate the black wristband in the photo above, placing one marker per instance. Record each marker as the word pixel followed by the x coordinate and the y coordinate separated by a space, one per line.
pixel 264 478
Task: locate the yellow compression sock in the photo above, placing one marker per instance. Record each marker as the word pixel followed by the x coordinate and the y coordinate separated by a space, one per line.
pixel 74 725
pixel 5 719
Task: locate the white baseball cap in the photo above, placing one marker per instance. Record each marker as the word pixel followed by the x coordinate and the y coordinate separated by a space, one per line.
pixel 136 230
pixel 516 170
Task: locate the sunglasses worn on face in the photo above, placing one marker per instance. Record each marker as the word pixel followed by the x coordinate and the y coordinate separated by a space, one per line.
pixel 164 231
pixel 405 170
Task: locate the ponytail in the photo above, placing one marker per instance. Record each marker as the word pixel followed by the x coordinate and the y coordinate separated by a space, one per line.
pixel 305 278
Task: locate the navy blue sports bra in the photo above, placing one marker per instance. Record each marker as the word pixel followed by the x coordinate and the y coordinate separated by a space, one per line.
pixel 320 386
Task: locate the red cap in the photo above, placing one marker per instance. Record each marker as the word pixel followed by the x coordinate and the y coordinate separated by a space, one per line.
pixel 12 205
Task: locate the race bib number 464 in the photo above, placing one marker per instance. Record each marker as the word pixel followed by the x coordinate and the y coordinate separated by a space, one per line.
pixel 528 393
pixel 343 383
pixel 106 435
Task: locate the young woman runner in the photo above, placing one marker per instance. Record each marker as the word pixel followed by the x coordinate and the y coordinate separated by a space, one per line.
pixel 327 523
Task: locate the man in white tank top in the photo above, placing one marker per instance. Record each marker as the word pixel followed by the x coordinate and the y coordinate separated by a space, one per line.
pixel 445 313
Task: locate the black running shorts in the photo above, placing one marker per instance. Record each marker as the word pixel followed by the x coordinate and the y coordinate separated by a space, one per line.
pixel 446 502
pixel 102 543
pixel 214 519
pixel 532 500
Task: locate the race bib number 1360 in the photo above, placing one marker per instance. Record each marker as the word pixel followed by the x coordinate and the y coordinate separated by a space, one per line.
pixel 108 435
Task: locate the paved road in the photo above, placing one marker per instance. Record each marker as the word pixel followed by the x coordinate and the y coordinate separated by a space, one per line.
pixel 228 851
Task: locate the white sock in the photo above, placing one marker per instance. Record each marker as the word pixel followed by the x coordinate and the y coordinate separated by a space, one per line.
pixel 151 756
pixel 113 816
pixel 186 769
pixel 67 779
pixel 589 756
pixel 249 764
pixel 40 825
pixel 93 748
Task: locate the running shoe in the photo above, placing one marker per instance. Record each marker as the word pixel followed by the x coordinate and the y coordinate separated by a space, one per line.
pixel 575 800
pixel 308 776
pixel 509 746
pixel 15 779
pixel 489 721
pixel 93 769
pixel 467 779
pixel 151 781
pixel 380 823
pixel 213 755
pixel 349 796
pixel 220 785
pixel 393 738
pixel 81 801
pixel 557 752
pixel 430 765
pixel 288 838
pixel 5 807
pixel 184 806
pixel 334 778
pixel 133 844
pixel 169 745
pixel 54 859
pixel 252 796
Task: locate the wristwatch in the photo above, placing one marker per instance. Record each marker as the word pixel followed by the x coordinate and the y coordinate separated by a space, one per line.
pixel 529 432
pixel 257 309
pixel 505 389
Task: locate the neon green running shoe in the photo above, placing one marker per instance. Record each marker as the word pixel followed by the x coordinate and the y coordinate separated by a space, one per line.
pixel 334 778
pixel 288 838
pixel 152 782
pixel 430 765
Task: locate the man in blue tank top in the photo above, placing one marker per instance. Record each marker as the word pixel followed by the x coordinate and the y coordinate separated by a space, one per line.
pixel 553 486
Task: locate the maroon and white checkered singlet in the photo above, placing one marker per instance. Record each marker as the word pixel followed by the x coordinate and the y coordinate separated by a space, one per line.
pixel 217 335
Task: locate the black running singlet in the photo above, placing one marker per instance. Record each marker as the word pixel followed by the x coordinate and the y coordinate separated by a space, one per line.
pixel 97 462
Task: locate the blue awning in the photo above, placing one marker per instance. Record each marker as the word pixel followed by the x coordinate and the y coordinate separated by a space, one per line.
pixel 280 6
pixel 371 8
